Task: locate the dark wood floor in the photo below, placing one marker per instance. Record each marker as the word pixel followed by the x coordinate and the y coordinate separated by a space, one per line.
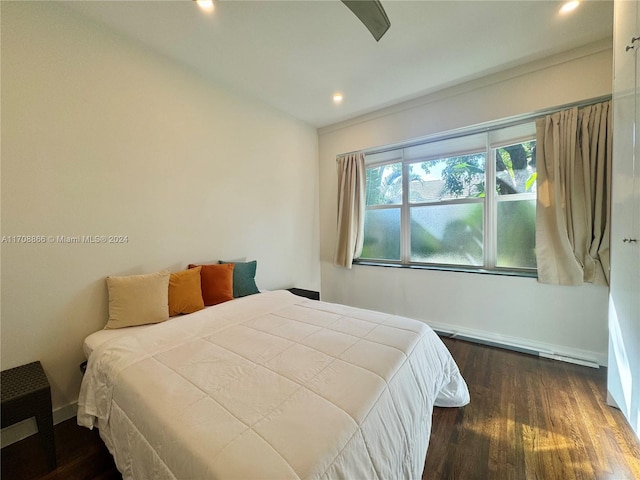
pixel 529 418
pixel 80 452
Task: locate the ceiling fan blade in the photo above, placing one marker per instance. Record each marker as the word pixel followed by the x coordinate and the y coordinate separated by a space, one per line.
pixel 371 13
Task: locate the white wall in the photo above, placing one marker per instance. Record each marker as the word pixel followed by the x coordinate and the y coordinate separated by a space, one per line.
pixel 567 320
pixel 103 137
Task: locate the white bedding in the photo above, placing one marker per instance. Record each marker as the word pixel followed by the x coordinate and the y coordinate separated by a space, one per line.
pixel 270 386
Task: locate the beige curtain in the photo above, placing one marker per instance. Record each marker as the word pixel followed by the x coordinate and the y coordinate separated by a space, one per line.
pixel 574 196
pixel 351 206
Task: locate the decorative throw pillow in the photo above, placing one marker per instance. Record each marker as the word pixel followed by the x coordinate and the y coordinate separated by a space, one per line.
pixel 244 282
pixel 216 282
pixel 138 299
pixel 185 292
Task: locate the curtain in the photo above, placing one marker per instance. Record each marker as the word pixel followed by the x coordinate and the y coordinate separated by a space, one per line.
pixel 351 207
pixel 574 195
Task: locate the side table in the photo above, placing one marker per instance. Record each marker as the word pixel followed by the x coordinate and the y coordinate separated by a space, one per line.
pixel 26 393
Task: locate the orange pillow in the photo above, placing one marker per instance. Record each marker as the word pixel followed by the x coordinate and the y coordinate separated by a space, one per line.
pixel 185 292
pixel 217 283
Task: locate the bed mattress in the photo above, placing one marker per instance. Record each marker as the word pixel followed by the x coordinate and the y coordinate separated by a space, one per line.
pixel 270 386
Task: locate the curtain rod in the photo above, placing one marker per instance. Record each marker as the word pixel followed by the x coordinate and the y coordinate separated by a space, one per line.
pixel 479 128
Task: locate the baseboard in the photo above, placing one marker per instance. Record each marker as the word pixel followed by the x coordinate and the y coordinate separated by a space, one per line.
pixel 540 349
pixel 612 401
pixel 18 431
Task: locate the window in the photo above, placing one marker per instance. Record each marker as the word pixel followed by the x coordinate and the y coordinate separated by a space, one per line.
pixel 464 202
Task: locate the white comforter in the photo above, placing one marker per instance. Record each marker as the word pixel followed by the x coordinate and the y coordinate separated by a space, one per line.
pixel 271 386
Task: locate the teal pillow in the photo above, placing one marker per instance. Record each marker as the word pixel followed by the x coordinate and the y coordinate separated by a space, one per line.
pixel 244 274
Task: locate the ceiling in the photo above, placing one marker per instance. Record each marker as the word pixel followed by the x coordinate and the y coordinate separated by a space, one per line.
pixel 294 55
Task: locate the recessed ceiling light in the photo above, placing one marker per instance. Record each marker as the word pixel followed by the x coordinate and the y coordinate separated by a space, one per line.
pixel 206 5
pixel 569 6
pixel 337 98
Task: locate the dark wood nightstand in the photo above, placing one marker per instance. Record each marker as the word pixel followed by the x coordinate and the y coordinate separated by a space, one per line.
pixel 26 393
pixel 301 292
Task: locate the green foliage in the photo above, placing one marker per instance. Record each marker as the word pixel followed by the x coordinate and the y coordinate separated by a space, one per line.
pixel 464 176
pixel 384 184
pixel 512 168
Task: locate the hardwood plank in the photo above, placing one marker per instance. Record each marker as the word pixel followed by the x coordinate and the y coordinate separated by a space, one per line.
pixel 530 418
pixel 80 452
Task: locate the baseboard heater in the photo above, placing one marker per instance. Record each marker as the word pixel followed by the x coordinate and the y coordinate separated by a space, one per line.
pixel 518 348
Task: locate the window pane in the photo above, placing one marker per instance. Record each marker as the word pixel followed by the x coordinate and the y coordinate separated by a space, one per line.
pixel 447 178
pixel 449 234
pixel 382 234
pixel 516 168
pixel 517 234
pixel 384 184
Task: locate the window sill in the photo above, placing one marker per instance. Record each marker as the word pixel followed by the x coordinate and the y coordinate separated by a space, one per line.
pixel 450 268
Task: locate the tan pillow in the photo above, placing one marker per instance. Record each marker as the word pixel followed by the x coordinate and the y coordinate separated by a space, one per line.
pixel 185 292
pixel 138 299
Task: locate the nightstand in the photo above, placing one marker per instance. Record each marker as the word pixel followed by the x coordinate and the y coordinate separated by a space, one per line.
pixel 26 393
pixel 301 292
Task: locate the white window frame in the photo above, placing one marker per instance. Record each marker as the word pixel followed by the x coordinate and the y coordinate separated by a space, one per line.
pixel 492 143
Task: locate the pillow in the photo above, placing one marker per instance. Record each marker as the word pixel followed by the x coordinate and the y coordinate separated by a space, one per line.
pixel 216 282
pixel 243 278
pixel 138 299
pixel 185 292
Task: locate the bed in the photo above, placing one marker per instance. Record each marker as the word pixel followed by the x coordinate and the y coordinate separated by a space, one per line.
pixel 271 386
